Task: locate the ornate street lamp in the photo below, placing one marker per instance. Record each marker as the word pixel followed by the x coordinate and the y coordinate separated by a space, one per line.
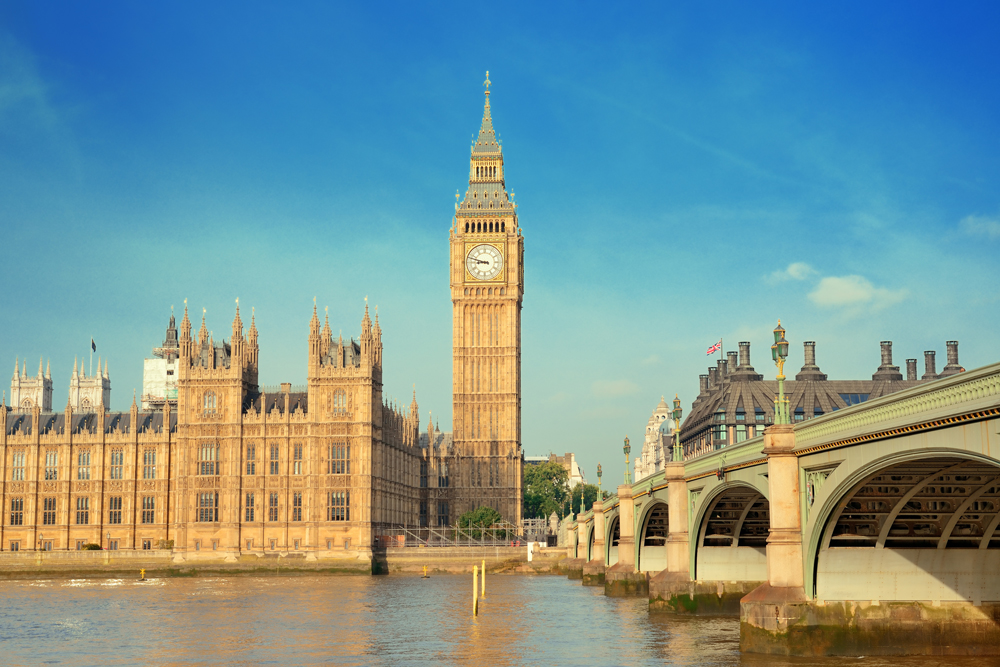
pixel 627 449
pixel 676 414
pixel 600 494
pixel 779 352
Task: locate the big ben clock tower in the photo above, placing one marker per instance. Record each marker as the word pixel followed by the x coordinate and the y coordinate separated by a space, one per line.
pixel 487 284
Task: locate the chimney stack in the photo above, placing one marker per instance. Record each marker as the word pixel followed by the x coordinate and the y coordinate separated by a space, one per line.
pixel 702 385
pixel 713 377
pixel 731 363
pixel 810 371
pixel 911 370
pixel 929 372
pixel 952 368
pixel 887 371
pixel 744 354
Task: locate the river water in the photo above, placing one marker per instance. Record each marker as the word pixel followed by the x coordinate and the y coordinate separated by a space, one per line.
pixel 360 620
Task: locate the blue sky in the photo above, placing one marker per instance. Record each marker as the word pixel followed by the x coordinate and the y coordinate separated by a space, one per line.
pixel 683 175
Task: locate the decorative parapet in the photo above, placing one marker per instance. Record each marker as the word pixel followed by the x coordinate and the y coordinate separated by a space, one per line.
pixel 951 396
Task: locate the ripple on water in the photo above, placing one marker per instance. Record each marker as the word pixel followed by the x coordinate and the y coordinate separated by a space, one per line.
pixel 359 620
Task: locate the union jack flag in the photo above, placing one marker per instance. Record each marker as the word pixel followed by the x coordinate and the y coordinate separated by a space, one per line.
pixel 715 348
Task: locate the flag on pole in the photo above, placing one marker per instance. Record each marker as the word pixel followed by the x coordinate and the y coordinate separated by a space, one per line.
pixel 715 348
pixel 93 345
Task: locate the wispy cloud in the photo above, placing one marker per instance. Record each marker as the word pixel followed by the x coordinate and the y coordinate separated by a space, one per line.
pixel 853 291
pixel 795 271
pixel 613 388
pixel 981 225
pixel 651 360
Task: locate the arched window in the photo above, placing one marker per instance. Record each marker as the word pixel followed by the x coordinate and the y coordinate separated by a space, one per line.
pixel 208 402
pixel 339 401
pixel 503 227
pixel 491 224
pixel 466 228
pixel 479 226
pixel 502 291
pixel 478 291
pixel 489 292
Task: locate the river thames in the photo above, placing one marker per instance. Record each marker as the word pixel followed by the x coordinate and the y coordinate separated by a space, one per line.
pixel 360 620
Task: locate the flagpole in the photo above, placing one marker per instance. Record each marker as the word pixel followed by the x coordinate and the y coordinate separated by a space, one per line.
pixel 91 356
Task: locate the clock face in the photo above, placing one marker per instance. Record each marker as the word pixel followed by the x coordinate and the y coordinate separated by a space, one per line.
pixel 484 262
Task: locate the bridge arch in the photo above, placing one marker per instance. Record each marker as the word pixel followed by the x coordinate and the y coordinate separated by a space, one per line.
pixel 913 525
pixel 591 537
pixel 732 528
pixel 652 539
pixel 611 540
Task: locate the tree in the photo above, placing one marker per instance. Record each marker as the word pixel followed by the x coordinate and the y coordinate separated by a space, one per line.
pixel 477 522
pixel 545 489
pixel 589 492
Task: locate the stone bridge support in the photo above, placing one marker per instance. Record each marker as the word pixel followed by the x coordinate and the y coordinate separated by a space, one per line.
pixel 573 566
pixel 593 570
pixel 622 579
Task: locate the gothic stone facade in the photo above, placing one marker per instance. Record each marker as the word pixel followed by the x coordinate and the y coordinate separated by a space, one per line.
pixel 482 458
pixel 234 469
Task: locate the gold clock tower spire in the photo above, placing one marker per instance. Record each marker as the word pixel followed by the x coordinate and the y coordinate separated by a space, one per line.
pixel 487 285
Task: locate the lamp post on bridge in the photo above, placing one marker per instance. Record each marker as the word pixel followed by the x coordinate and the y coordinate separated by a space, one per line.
pixel 676 414
pixel 779 352
pixel 600 495
pixel 627 449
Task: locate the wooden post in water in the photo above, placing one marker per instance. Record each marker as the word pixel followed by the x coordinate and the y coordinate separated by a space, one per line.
pixel 475 590
pixel 484 580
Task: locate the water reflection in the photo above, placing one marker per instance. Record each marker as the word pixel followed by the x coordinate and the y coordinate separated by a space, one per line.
pixel 397 620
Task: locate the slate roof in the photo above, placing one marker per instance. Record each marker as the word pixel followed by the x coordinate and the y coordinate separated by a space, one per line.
pixel 87 422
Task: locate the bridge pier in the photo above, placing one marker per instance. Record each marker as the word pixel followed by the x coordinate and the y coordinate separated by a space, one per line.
pixel 621 579
pixel 573 566
pixel 593 570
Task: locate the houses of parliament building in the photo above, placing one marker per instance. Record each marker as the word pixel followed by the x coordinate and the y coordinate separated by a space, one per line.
pixel 230 466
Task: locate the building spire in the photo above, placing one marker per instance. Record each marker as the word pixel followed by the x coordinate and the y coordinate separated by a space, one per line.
pixel 237 322
pixel 203 331
pixel 48 369
pixel 185 323
pixel 17 362
pixel 487 141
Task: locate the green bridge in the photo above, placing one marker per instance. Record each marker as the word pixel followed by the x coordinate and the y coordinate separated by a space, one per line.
pixel 871 530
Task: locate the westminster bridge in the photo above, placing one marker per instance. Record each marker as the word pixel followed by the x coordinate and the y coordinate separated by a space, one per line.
pixel 873 529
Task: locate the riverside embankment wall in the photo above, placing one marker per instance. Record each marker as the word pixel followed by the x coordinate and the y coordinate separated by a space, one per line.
pixel 165 563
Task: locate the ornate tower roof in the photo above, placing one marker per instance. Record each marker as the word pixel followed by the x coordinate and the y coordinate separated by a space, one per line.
pixel 487 193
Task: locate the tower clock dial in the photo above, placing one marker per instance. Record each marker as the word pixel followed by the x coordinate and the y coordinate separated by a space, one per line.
pixel 484 262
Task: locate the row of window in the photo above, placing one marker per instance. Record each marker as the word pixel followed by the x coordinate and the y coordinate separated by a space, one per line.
pixel 481 226
pixel 442 475
pixel 82 511
pixel 442 514
pixel 338 508
pixel 147 544
pixel 115 470
pixel 486 172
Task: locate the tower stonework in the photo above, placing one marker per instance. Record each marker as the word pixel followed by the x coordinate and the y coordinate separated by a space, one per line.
pixel 487 286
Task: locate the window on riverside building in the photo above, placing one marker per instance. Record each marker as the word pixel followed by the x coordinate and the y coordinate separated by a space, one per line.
pixel 800 414
pixel 82 511
pixel 249 508
pixel 272 507
pixel 274 460
pixel 17 511
pixel 15 545
pixel 758 415
pixel 423 514
pixel 423 474
pixel 296 507
pixel 208 402
pixel 83 465
pixel 338 506
pixel 17 465
pixel 853 399
pixel 148 509
pixel 149 464
pixel 339 401
pixel 442 514
pixel 115 509
pixel 48 511
pixel 117 463
pixel 719 432
pixel 741 431
pixel 297 459
pixel 251 459
pixel 51 466
pixel 208 459
pixel 208 507
pixel 338 459
pixel 443 475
